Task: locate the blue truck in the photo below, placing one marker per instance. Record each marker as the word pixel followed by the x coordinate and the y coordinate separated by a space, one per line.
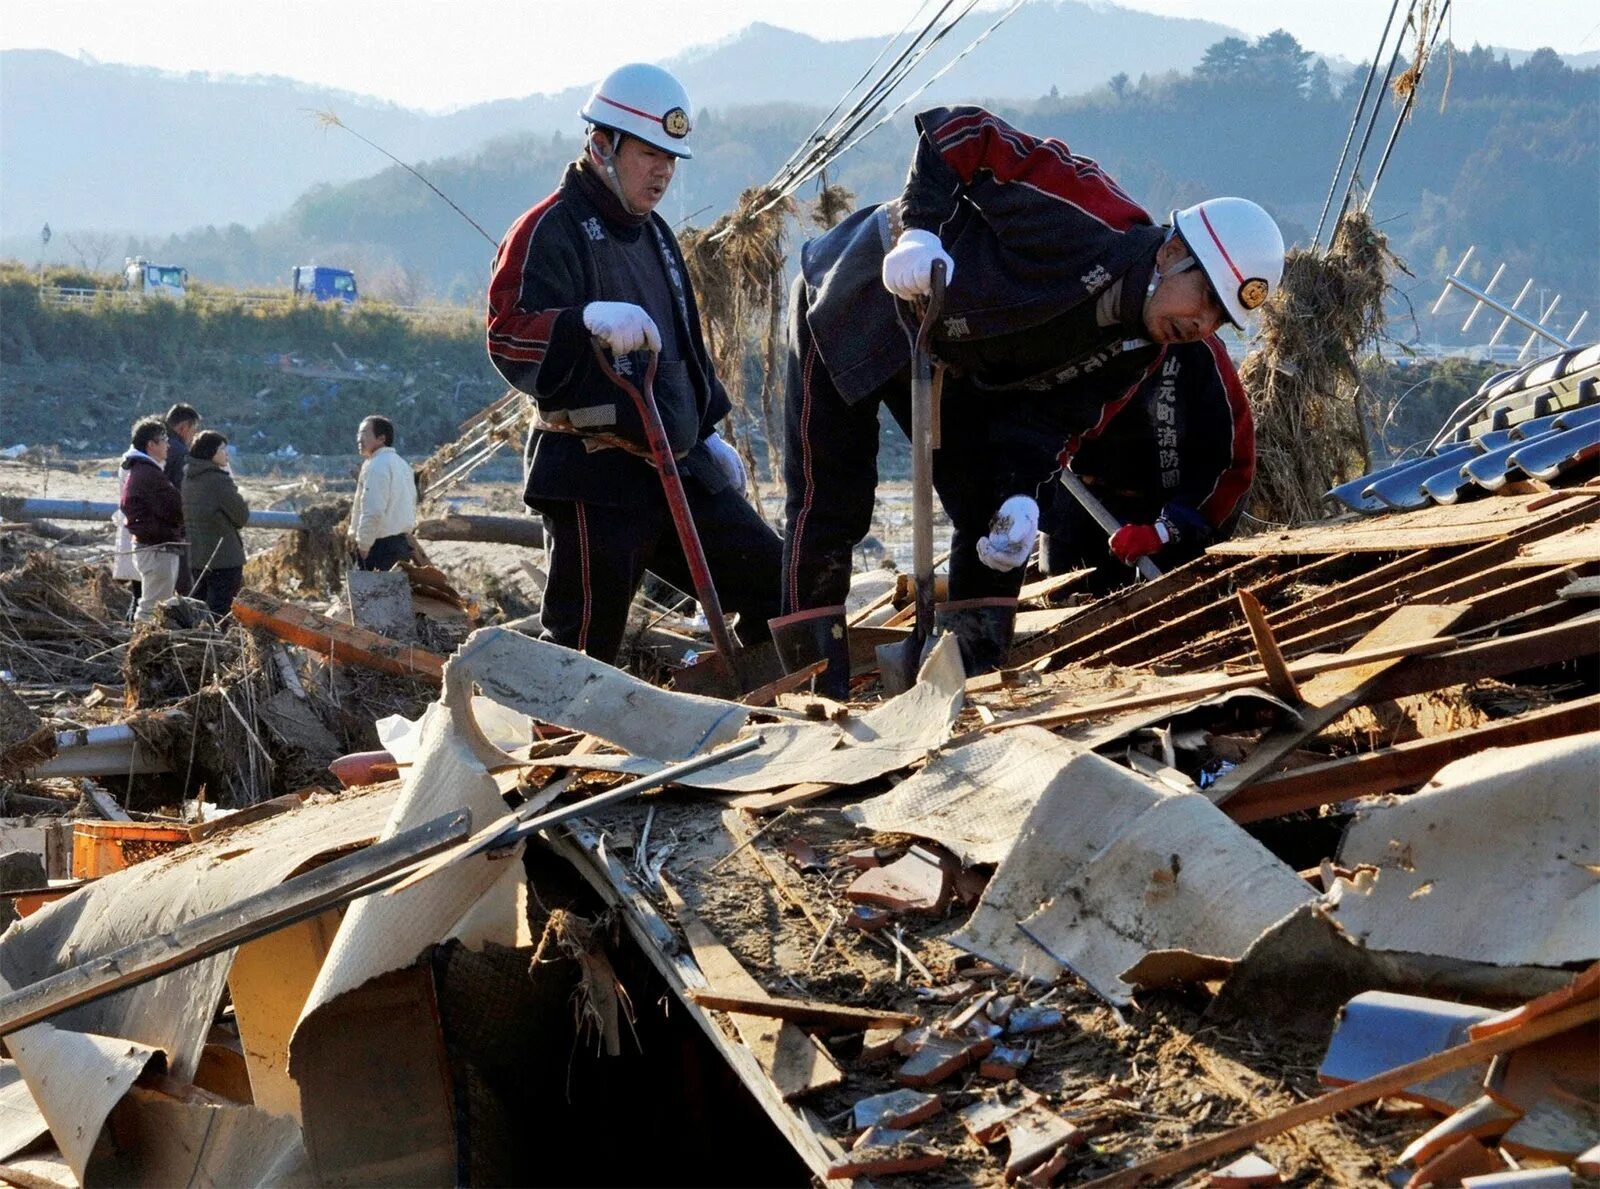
pixel 324 284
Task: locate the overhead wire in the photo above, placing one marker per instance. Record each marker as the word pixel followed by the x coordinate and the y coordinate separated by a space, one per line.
pixel 1372 121
pixel 909 59
pixel 871 66
pixel 1405 108
pixel 901 106
pixel 1355 121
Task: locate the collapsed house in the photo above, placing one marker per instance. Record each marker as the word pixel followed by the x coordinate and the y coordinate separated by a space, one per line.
pixel 1312 811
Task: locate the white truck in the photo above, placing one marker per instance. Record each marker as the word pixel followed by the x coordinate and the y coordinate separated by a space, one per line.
pixel 154 280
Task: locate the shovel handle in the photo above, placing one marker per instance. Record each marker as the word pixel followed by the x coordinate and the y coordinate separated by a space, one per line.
pixel 694 553
pixel 922 421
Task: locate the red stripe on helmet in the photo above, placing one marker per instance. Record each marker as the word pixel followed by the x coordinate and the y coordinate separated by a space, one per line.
pixel 634 111
pixel 1239 276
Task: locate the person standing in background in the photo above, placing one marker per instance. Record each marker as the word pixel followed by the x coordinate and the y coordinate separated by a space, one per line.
pixel 154 512
pixel 214 512
pixel 385 510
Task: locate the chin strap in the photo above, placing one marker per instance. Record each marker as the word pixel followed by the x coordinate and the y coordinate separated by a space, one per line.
pixel 604 159
pixel 1156 274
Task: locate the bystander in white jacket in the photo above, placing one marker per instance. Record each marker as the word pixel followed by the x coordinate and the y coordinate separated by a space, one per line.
pixel 386 499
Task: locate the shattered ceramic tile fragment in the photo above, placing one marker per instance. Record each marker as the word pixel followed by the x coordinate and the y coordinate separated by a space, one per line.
pixel 885 1152
pixel 879 1044
pixel 1004 1063
pixel 803 856
pixel 896 1109
pixel 917 882
pixel 1245 1173
pixel 1024 1021
pixel 1045 1175
pixel 1000 1009
pixel 940 1057
pixel 867 919
pixel 1483 1119
pixel 1036 1134
pixel 985 1120
pixel 911 1039
pixel 1467 1157
pixel 870 856
pixel 984 1029
pixel 1380 1030
pixel 1555 1083
pixel 1521 1178
pixel 968 1013
pixel 949 993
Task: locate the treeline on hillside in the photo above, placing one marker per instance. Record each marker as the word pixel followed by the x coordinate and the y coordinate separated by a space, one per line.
pixel 300 375
pixel 1508 164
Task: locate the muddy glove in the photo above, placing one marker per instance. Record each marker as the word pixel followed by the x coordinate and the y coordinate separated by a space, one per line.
pixel 1133 541
pixel 621 325
pixel 908 266
pixel 727 459
pixel 1012 533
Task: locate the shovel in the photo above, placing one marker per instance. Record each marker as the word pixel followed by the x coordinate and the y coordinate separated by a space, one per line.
pixel 898 662
pixel 732 672
pixel 1148 570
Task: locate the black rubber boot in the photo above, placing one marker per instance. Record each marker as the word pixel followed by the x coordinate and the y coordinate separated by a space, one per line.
pixel 982 627
pixel 816 635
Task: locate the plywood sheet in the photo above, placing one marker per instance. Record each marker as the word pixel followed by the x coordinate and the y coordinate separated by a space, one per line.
pixel 1433 527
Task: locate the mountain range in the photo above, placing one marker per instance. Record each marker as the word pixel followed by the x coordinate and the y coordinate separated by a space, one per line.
pixel 124 149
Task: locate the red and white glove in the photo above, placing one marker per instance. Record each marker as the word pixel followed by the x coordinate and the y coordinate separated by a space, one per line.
pixel 1133 541
pixel 908 266
pixel 621 325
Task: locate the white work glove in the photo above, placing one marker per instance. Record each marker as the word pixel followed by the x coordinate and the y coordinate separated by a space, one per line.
pixel 1012 533
pixel 908 266
pixel 727 458
pixel 621 325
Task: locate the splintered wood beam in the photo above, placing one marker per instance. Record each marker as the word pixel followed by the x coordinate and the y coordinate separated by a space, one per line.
pixel 1331 695
pixel 1279 679
pixel 1134 610
pixel 1500 657
pixel 328 637
pixel 1309 667
pixel 1348 1097
pixel 1403 765
pixel 804 1011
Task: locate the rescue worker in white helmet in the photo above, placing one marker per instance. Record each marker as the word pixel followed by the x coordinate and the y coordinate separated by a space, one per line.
pixel 593 262
pixel 1055 276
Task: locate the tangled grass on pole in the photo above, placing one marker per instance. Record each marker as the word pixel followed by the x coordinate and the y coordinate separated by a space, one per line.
pixel 1304 377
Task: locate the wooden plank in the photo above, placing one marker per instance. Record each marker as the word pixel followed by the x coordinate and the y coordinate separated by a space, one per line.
pixel 1234 643
pixel 327 637
pixel 1501 657
pixel 1118 607
pixel 1440 526
pixel 1309 667
pixel 797 794
pixel 1405 764
pixel 1347 1097
pixel 802 1011
pixel 1114 621
pixel 767 694
pixel 1045 587
pixel 1330 695
pixel 1409 583
pixel 1484 597
pixel 1279 679
pixel 795 1061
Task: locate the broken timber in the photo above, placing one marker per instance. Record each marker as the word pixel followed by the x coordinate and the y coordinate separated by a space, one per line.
pixel 327 637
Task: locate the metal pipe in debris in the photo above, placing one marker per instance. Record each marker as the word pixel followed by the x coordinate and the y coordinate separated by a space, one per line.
pixel 42 509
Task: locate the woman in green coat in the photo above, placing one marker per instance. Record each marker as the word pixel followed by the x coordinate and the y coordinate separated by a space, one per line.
pixel 213 512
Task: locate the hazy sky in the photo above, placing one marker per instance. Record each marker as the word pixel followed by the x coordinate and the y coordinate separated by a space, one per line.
pixel 439 54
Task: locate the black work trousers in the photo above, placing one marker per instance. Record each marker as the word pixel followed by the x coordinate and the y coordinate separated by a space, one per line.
pixel 599 555
pixel 387 552
pixel 989 450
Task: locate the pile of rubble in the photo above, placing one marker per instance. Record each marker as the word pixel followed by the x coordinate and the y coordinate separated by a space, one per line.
pixel 1281 866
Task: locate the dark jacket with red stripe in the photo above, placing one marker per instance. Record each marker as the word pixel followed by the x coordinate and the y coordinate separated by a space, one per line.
pixel 1184 447
pixel 1036 233
pixel 555 260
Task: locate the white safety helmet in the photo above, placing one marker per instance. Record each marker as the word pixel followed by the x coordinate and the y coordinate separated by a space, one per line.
pixel 643 101
pixel 1239 248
